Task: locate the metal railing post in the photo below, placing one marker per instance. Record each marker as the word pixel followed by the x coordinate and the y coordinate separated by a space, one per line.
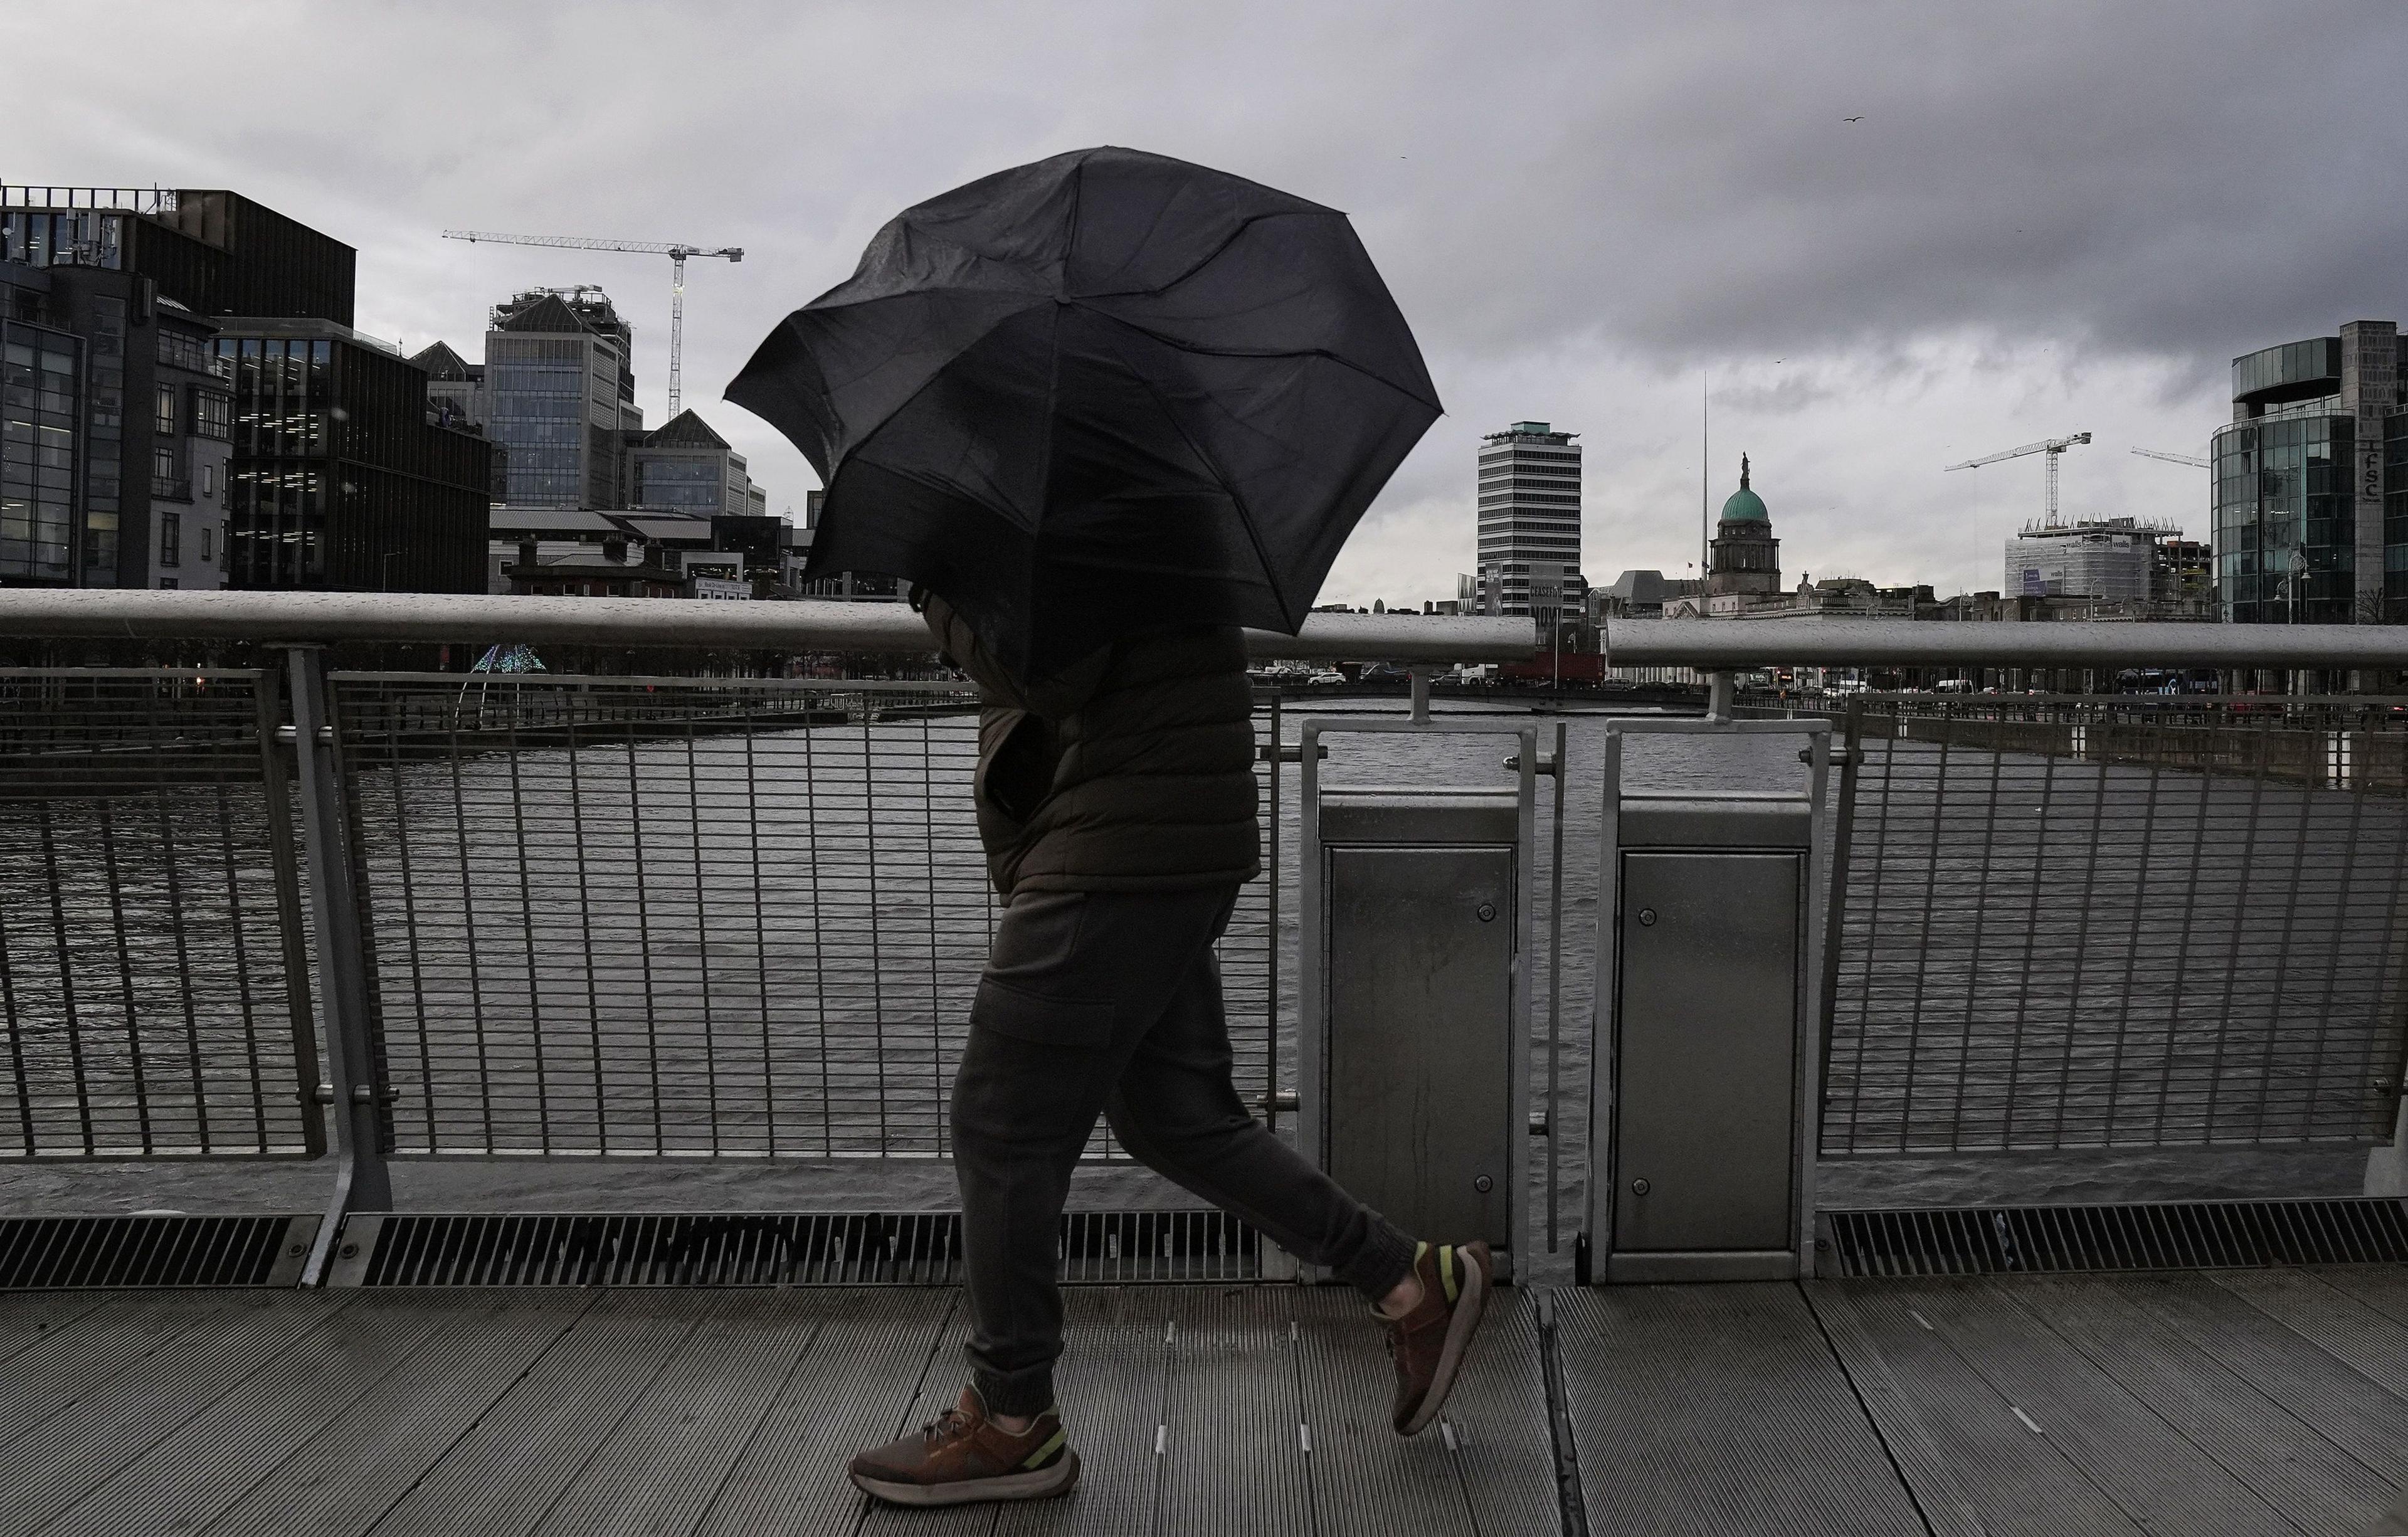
pixel 361 1182
pixel 1721 695
pixel 291 934
pixel 1554 1120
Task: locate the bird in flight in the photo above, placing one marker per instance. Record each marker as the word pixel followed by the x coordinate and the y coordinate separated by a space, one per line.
pixel 1852 119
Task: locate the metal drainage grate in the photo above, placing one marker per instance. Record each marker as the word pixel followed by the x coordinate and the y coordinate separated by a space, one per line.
pixel 54 1253
pixel 766 1249
pixel 2156 1236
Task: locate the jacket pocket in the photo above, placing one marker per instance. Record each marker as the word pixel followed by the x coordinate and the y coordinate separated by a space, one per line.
pixel 1023 1015
pixel 1015 767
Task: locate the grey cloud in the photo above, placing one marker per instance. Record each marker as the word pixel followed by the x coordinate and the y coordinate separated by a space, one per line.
pixel 1579 205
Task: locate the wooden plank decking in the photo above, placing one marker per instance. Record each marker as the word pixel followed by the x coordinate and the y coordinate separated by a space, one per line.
pixel 2226 1403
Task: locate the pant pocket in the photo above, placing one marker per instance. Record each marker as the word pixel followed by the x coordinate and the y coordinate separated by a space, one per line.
pixel 1024 1015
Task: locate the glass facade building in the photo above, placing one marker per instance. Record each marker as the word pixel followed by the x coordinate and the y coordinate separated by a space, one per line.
pixel 2284 532
pixel 214 251
pixel 141 277
pixel 560 397
pixel 339 479
pixel 2310 496
pixel 41 446
pixel 110 418
pixel 682 466
pixel 683 485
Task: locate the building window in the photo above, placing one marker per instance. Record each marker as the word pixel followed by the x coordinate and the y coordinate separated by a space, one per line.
pixel 163 418
pixel 212 415
pixel 171 539
pixel 163 462
pixel 193 354
pixel 209 480
pixel 167 584
pixel 208 542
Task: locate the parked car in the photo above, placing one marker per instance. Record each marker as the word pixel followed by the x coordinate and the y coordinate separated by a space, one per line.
pixel 1326 678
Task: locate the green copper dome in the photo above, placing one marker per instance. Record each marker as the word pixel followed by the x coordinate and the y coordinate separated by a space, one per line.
pixel 1744 506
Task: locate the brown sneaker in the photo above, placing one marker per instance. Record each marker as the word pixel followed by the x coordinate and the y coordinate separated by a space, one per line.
pixel 1430 1342
pixel 961 1455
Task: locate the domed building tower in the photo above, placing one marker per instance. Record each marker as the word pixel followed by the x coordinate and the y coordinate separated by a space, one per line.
pixel 1746 556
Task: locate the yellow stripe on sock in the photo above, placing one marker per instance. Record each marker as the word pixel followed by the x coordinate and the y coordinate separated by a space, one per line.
pixel 1041 1453
pixel 1446 1271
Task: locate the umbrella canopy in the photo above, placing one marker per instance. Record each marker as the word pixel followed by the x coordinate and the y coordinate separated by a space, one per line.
pixel 1103 392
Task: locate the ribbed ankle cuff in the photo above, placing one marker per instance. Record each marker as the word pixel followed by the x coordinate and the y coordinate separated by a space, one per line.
pixel 1018 1393
pixel 1385 1258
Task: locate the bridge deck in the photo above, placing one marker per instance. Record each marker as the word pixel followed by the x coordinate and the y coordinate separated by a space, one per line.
pixel 2227 1403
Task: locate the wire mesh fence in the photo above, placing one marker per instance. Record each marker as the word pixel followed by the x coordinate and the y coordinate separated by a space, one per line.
pixel 153 973
pixel 744 918
pixel 681 917
pixel 2060 925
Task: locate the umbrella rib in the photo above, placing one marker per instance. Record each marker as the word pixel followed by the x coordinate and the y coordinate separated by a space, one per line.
pixel 1227 240
pixel 1045 488
pixel 1245 515
pixel 863 441
pixel 1339 359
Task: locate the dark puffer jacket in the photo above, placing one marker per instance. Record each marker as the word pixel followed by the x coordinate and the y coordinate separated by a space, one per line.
pixel 1132 771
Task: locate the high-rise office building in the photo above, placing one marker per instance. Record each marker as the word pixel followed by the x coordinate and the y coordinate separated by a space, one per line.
pixel 216 253
pixel 231 325
pixel 683 466
pixel 1529 524
pixel 560 397
pixel 344 477
pixel 113 458
pixel 2310 490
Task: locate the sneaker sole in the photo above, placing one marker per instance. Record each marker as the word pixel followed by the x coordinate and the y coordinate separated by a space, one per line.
pixel 1468 1310
pixel 1044 1484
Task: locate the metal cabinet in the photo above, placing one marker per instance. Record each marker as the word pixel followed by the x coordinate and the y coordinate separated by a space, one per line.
pixel 1414 1046
pixel 1706 1051
pixel 1707 1028
pixel 1419 1044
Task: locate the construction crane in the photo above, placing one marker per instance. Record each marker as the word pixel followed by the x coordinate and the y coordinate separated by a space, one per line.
pixel 2192 460
pixel 2052 447
pixel 676 254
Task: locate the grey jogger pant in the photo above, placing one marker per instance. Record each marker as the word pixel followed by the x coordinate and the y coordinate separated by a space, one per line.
pixel 1110 1002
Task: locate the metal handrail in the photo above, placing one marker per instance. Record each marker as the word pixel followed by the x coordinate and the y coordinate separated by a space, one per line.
pixel 804 624
pixel 821 625
pixel 1724 646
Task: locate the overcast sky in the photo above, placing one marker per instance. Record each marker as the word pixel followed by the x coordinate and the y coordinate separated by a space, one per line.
pixel 2046 219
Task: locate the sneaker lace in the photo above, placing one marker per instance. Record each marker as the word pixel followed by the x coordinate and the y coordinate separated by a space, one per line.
pixel 953 1422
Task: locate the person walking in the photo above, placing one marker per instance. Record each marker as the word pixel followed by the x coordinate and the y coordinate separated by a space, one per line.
pixel 1102 411
pixel 1116 804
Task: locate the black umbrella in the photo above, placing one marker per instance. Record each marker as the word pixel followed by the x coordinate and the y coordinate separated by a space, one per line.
pixel 1104 393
